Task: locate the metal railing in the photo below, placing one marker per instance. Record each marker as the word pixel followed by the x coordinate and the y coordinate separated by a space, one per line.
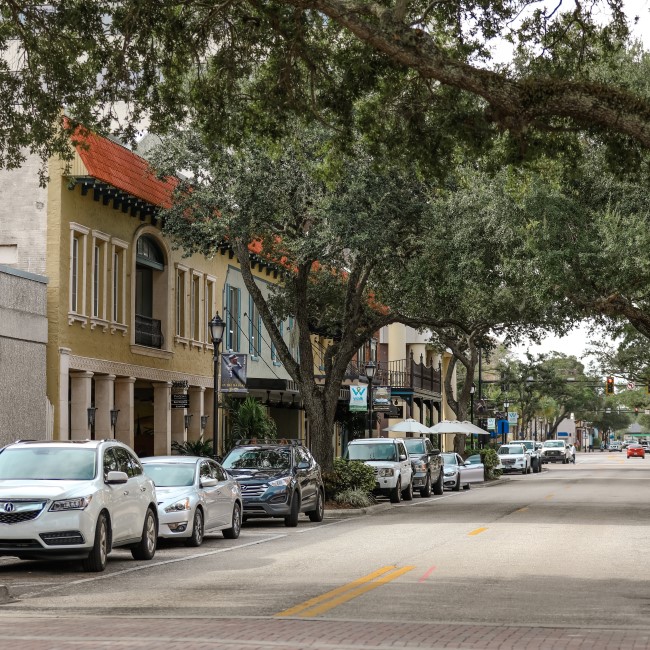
pixel 403 373
pixel 148 332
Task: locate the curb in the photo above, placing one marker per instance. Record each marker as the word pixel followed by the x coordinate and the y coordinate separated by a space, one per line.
pixel 5 596
pixel 345 513
pixel 494 483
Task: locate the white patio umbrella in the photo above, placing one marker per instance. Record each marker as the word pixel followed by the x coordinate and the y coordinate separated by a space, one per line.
pixel 408 426
pixel 450 426
pixel 474 429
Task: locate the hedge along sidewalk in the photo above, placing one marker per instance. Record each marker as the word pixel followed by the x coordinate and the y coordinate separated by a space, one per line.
pixel 344 513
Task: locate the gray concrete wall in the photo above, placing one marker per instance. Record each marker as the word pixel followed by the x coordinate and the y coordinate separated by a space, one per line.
pixel 23 218
pixel 23 340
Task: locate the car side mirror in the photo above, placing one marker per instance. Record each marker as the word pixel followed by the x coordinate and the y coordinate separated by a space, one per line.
pixel 303 464
pixel 116 478
pixel 402 457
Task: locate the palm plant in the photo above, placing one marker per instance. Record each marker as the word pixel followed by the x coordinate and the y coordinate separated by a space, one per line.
pixel 249 419
pixel 198 447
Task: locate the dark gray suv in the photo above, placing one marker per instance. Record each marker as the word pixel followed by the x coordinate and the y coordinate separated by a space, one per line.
pixel 278 480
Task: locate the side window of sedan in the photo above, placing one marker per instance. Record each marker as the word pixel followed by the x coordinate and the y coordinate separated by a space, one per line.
pixel 205 471
pixel 218 472
pixel 136 468
pixel 302 456
pixel 110 462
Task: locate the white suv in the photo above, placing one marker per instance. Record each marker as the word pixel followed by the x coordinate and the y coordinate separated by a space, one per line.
pixel 393 469
pixel 75 500
pixel 555 451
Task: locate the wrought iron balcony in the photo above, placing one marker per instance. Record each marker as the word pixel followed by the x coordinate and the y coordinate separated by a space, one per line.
pixel 148 332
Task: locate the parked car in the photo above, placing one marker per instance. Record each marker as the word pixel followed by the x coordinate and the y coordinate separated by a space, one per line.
pixel 194 495
pixel 555 451
pixel 514 457
pixel 615 445
pixel 75 500
pixel 390 460
pixel 635 450
pixel 535 454
pixel 426 464
pixel 458 473
pixel 646 446
pixel 278 480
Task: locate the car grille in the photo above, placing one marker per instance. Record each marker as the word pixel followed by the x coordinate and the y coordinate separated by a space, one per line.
pixel 554 452
pixel 17 544
pixel 250 491
pixel 508 461
pixel 20 511
pixel 64 538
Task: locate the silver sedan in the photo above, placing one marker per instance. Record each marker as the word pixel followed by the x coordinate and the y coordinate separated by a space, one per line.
pixel 457 473
pixel 194 495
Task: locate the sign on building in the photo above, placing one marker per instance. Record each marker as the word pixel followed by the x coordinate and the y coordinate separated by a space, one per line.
pixel 381 399
pixel 180 398
pixel 233 372
pixel 358 398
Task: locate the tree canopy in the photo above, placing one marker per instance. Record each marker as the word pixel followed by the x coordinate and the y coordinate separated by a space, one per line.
pixel 408 74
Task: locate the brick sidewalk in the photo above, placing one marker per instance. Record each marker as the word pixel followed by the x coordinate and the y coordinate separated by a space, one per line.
pixel 56 632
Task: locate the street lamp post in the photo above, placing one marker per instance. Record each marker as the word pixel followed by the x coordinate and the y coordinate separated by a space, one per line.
pixel 217 327
pixel 472 389
pixel 370 373
pixel 114 414
pixel 506 406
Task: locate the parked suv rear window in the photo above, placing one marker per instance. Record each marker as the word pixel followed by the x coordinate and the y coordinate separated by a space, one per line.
pixel 370 451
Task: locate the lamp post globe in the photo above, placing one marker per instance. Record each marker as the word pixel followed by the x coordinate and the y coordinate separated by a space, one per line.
pixel 217 326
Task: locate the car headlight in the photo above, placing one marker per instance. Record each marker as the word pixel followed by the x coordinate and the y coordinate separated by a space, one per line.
pixel 179 506
pixel 80 503
pixel 450 472
pixel 386 471
pixel 285 480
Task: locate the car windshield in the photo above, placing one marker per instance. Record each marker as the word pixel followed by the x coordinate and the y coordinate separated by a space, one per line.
pixel 48 464
pixel 554 443
pixel 448 459
pixel 529 444
pixel 372 451
pixel 510 449
pixel 258 459
pixel 415 446
pixel 170 474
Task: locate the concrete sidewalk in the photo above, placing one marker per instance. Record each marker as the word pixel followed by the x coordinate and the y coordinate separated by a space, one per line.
pixel 128 632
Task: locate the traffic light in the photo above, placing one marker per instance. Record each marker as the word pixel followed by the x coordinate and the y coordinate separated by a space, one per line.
pixel 609 386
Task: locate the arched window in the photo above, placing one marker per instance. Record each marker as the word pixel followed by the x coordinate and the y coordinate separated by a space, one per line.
pixel 149 265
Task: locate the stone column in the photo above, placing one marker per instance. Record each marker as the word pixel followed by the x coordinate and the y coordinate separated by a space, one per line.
pixel 162 418
pixel 63 405
pixel 104 401
pixel 196 411
pixel 124 401
pixel 81 391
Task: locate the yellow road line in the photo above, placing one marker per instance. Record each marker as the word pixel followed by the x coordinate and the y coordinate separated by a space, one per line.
pixel 522 509
pixel 335 592
pixel 549 496
pixel 344 598
pixel 478 531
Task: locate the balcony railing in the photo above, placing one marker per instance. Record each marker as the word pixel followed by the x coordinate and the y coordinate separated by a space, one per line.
pixel 403 373
pixel 148 332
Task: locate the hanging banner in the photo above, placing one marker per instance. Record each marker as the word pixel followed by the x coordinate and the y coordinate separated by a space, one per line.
pixel 358 398
pixel 513 417
pixel 492 424
pixel 381 399
pixel 233 372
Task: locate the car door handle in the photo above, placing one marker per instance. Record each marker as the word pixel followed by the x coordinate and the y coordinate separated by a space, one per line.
pixel 126 492
pixel 143 489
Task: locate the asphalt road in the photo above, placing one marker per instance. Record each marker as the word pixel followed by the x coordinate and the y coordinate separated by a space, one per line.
pixel 557 558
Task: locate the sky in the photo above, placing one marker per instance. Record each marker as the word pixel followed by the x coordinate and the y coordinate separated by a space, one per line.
pixel 574 343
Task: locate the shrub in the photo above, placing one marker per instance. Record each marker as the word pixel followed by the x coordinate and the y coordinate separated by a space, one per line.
pixel 490 461
pixel 348 475
pixel 354 498
pixel 198 447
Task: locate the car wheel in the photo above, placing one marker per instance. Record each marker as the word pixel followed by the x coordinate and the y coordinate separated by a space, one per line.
pixel 425 492
pixel 407 494
pixel 197 529
pixel 529 469
pixel 396 492
pixel 466 486
pixel 235 526
pixel 456 487
pixel 291 520
pixel 318 514
pixel 98 557
pixel 525 470
pixel 438 487
pixel 145 549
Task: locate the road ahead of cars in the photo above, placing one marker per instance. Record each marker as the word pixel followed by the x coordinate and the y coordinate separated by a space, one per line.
pixel 555 559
